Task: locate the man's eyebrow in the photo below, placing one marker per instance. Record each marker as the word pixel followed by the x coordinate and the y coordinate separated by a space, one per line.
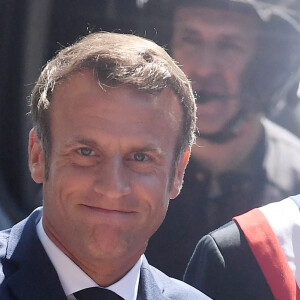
pixel 148 148
pixel 189 31
pixel 80 140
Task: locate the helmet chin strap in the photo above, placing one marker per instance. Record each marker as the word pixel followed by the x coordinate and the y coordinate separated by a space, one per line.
pixel 229 131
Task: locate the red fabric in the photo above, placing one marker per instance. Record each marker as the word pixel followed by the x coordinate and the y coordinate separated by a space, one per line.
pixel 269 255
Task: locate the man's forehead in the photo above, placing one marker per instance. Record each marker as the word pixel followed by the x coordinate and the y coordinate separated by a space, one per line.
pixel 193 16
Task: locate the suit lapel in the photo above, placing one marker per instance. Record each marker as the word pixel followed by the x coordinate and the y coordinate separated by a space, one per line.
pixel 149 287
pixel 28 270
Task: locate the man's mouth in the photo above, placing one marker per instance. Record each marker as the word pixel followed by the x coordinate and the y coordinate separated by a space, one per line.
pixel 205 97
pixel 107 210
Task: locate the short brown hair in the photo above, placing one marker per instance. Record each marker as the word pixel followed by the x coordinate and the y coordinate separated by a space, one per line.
pixel 116 59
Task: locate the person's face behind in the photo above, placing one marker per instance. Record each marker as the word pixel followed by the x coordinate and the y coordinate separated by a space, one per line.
pixel 214 48
pixel 111 159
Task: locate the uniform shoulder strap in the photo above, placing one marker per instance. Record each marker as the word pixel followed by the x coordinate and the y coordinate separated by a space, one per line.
pixel 269 254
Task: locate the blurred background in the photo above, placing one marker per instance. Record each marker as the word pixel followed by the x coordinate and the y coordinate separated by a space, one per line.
pixel 31 32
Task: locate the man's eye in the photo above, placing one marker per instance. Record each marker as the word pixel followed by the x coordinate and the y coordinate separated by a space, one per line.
pixel 85 151
pixel 140 157
pixel 191 40
pixel 231 46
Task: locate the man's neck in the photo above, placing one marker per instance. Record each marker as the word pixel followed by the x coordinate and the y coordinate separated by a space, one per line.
pixel 73 278
pixel 103 271
pixel 232 155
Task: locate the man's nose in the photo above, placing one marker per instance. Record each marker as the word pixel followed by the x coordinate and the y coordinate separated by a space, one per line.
pixel 206 62
pixel 113 180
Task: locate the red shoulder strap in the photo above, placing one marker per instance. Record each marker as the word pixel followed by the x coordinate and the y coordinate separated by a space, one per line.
pixel 269 254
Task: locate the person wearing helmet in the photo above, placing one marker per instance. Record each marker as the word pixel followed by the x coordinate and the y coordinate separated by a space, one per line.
pixel 241 57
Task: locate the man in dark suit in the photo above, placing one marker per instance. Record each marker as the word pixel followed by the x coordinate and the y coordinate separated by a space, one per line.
pixel 114 120
pixel 255 256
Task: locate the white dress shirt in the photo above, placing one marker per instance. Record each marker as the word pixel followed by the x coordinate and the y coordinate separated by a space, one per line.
pixel 73 279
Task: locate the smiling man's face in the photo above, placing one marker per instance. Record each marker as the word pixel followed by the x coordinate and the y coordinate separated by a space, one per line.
pixel 110 168
pixel 214 47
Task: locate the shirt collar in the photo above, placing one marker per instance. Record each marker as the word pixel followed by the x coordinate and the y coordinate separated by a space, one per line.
pixel 73 279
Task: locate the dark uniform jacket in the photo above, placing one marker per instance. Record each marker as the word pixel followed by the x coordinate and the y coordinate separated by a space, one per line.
pixel 224 267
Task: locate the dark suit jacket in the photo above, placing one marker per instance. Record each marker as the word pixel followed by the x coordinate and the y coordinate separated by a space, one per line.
pixel 27 273
pixel 223 267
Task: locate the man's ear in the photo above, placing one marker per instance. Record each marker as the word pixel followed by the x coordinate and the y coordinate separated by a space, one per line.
pixel 179 173
pixel 36 157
